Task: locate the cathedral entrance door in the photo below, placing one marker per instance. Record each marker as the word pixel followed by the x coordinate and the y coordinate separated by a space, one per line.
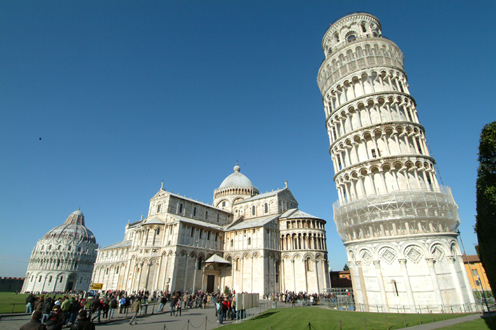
pixel 70 282
pixel 210 283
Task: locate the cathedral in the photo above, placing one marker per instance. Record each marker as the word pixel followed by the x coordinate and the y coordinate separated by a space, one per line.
pixel 245 241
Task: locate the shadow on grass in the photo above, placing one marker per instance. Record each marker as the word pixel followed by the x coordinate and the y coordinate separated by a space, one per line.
pixel 490 325
pixel 265 315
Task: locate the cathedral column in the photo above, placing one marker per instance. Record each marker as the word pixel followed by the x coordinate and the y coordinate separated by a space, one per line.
pixel 157 275
pixel 294 275
pixel 282 279
pixel 185 273
pixel 317 275
pixel 140 270
pixel 149 264
pixel 251 275
pixel 435 283
pixel 173 270
pixel 194 274
pixel 380 279
pixel 233 272
pixel 242 271
pixel 406 279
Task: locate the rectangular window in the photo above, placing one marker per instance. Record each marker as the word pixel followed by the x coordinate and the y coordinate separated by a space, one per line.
pixel 475 272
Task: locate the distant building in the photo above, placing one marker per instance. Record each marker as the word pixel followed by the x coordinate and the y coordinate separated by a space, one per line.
pixel 476 273
pixel 11 284
pixel 340 279
pixel 398 224
pixel 246 241
pixel 63 259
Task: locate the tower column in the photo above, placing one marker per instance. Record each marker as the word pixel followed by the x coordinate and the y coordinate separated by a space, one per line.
pixel 435 283
pixel 380 279
pixel 408 286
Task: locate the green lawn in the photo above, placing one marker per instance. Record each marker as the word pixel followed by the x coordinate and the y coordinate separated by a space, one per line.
pixel 9 300
pixel 480 324
pixel 299 318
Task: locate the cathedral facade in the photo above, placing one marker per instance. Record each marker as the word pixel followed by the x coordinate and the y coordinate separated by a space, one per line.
pixel 245 241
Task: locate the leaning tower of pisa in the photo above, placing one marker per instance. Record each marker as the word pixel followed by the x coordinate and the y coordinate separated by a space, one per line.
pixel 398 224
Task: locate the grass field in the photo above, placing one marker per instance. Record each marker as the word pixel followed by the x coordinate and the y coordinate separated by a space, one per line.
pixel 10 301
pixel 314 318
pixel 480 324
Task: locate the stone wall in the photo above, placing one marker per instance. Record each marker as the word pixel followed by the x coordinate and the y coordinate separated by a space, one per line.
pixel 11 284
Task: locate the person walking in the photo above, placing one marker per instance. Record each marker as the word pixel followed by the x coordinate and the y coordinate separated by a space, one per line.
pixel 30 303
pixel 173 304
pixel 66 309
pixel 122 304
pixel 96 306
pixel 46 309
pixel 135 308
pixel 113 306
pixel 56 320
pixel 83 322
pixel 35 323
pixel 163 301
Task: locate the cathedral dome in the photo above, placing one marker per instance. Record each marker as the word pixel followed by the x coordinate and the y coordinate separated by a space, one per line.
pixel 236 180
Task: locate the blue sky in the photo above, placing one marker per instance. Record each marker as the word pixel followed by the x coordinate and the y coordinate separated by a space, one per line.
pixel 127 94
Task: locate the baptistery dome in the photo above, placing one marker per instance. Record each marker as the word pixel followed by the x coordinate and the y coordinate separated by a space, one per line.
pixel 63 258
pixel 72 229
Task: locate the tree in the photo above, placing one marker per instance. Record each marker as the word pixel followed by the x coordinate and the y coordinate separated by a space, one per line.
pixel 485 223
pixel 346 268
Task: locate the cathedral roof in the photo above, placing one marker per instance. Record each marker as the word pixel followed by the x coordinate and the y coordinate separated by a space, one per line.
pixel 217 259
pixel 196 222
pixel 267 194
pixel 252 223
pixel 236 180
pixel 153 221
pixel 118 245
pixel 297 214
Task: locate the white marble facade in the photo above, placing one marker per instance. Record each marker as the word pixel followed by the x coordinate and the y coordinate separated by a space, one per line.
pixel 399 225
pixel 268 244
pixel 63 259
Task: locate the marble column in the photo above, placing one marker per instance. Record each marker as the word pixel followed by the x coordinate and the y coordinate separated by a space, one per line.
pixel 408 286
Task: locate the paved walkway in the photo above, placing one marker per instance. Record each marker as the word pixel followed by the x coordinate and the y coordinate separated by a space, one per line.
pixel 162 321
pixel 445 323
pixel 196 318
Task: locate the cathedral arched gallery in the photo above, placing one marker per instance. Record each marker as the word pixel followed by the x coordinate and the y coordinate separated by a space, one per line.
pixel 246 241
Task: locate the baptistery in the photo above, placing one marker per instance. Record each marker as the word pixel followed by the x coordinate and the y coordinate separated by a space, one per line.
pixel 63 258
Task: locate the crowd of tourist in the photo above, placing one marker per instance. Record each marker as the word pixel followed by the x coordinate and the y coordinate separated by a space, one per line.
pixel 52 313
